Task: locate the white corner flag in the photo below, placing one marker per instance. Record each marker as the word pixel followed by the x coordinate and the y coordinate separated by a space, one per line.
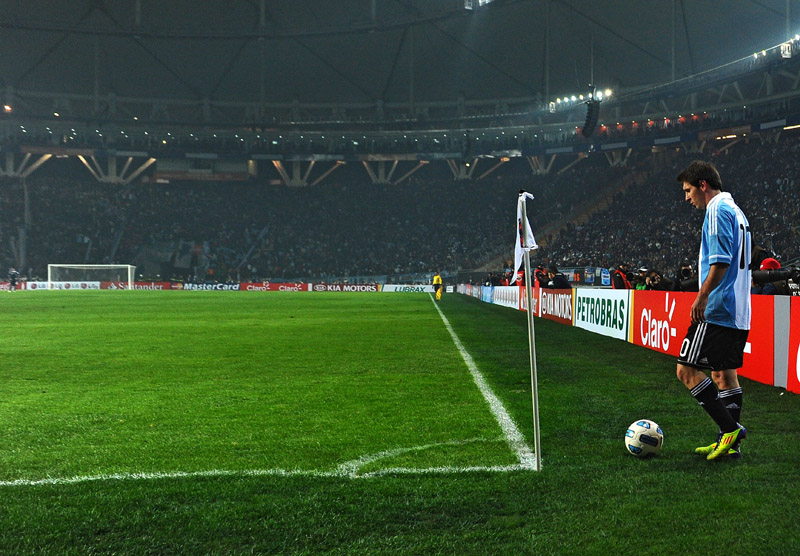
pixel 522 253
pixel 525 239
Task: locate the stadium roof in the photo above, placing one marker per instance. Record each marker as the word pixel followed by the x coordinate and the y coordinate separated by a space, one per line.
pixel 363 51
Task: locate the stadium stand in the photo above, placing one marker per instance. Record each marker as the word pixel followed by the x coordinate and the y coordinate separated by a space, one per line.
pixel 352 228
pixel 651 225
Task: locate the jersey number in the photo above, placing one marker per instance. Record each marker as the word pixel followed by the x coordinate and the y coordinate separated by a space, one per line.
pixel 742 255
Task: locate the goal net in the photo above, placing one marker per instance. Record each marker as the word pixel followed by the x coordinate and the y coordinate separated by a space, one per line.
pixel 120 274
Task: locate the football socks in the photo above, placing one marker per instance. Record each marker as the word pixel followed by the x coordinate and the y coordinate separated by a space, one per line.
pixel 707 396
pixel 732 400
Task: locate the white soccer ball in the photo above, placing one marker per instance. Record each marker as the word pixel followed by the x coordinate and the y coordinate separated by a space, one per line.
pixel 644 438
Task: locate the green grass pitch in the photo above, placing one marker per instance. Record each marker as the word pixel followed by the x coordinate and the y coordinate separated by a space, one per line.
pixel 241 423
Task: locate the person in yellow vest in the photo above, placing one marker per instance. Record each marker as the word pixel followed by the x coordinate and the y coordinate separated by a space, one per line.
pixel 437 285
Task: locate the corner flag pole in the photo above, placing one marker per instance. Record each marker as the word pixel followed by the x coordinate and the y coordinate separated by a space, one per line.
pixel 537 440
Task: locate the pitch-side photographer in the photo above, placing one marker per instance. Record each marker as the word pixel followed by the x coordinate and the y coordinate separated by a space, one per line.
pixel 771 279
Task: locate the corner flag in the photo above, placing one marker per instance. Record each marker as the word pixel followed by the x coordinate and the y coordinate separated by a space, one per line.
pixel 522 253
pixel 525 239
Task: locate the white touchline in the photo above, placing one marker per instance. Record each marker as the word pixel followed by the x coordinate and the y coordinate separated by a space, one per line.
pixel 513 435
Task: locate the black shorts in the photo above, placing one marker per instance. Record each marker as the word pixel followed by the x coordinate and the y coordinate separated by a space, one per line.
pixel 713 347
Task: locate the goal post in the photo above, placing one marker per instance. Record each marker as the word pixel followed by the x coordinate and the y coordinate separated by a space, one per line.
pixel 123 274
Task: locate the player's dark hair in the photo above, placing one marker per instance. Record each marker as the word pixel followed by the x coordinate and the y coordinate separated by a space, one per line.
pixel 698 171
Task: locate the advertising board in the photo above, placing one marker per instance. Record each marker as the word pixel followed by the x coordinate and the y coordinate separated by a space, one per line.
pixel 507 296
pixel 556 305
pixel 660 319
pixel 793 379
pixel 759 353
pixel 602 311
pixel 407 288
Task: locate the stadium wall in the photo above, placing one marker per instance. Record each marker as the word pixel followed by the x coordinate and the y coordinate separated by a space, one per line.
pixel 658 321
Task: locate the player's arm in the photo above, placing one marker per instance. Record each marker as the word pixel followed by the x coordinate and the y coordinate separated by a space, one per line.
pixel 715 274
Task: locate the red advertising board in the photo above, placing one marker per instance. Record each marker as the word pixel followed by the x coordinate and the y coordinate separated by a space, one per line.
pixel 793 382
pixel 273 287
pixel 659 320
pixel 523 299
pixel 759 355
pixel 556 305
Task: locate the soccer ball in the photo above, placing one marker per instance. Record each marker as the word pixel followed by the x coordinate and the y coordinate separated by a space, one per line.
pixel 644 438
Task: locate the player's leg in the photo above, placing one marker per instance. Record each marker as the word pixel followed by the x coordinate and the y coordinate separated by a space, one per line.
pixel 705 392
pixel 730 392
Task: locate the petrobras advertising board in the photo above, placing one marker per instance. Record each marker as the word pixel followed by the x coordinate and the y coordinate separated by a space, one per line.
pixel 507 296
pixel 602 311
pixel 407 288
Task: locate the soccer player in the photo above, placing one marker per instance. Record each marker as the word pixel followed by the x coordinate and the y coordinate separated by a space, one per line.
pixel 13 278
pixel 437 285
pixel 720 313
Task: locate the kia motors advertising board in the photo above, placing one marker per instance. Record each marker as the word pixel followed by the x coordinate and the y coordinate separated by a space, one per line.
pixel 602 311
pixel 345 288
pixel 556 305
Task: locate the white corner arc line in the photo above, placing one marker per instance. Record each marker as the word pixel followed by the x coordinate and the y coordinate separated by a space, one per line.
pixel 512 434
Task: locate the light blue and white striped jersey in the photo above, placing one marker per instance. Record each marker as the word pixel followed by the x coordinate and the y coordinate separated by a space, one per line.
pixel 726 239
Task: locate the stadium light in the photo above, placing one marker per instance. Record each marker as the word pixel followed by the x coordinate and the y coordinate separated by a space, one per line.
pixel 7 108
pixel 472 4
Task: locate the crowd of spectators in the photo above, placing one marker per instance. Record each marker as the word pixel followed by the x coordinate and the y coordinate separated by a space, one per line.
pixel 650 225
pixel 349 227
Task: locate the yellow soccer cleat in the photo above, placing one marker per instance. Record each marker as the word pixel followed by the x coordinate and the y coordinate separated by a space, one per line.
pixel 728 441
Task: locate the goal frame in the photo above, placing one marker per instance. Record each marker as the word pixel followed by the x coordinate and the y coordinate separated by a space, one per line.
pixel 129 269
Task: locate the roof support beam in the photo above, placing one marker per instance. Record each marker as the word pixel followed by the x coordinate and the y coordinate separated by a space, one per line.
pixel 333 167
pixel 405 176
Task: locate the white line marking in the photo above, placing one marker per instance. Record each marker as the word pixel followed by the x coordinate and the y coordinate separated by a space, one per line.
pixel 350 469
pixel 347 470
pixel 513 436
